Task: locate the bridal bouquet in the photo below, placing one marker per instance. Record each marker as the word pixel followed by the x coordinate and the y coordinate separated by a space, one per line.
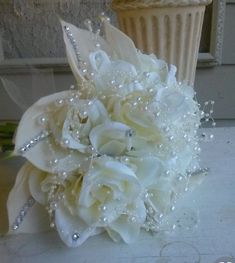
pixel 112 153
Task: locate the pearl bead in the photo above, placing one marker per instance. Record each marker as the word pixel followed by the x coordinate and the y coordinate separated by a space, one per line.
pixel 65 143
pixel 53 162
pixel 161 216
pixel 104 220
pixel 132 219
pixel 59 102
pixel 146 74
pixel 146 195
pixel 42 120
pixel 103 208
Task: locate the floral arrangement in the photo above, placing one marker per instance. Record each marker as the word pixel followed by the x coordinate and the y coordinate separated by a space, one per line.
pixel 111 154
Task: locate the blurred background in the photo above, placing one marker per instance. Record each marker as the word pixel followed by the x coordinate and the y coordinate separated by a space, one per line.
pixel 33 63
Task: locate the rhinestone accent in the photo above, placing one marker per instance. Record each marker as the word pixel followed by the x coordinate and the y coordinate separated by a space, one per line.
pixel 22 213
pixel 75 236
pixel 73 43
pixel 130 133
pixel 32 142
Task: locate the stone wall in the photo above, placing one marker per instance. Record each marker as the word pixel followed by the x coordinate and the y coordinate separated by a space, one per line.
pixel 31 28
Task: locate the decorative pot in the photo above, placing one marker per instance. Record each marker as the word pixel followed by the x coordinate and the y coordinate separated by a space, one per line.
pixel 171 29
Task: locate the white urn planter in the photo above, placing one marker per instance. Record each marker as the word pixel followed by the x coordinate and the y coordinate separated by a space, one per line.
pixel 169 29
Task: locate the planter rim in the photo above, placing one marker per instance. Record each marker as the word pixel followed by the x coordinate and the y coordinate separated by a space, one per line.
pixel 136 4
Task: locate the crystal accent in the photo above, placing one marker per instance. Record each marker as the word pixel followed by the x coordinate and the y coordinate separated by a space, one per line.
pixel 22 213
pixel 130 133
pixel 75 236
pixel 73 43
pixel 34 141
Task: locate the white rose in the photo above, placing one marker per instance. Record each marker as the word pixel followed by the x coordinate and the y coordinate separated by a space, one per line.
pixel 71 124
pixel 157 69
pixel 112 76
pixel 111 138
pixel 110 198
pixel 174 102
pixel 146 134
pixel 67 121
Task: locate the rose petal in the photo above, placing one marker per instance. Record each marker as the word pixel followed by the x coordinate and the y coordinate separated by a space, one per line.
pixel 124 228
pixel 120 72
pixel 110 138
pixel 121 229
pixel 163 193
pixel 171 79
pixel 99 60
pixel 148 169
pixel 172 103
pixel 110 175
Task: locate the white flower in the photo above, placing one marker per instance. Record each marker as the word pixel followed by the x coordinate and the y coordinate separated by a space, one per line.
pixel 111 138
pixel 157 69
pixel 72 123
pixel 146 134
pixel 110 196
pixel 174 102
pixel 68 121
pixel 113 76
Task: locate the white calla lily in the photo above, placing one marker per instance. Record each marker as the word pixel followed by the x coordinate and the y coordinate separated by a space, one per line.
pixel 36 218
pixel 122 46
pixel 84 42
pixel 40 152
pixel 73 230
